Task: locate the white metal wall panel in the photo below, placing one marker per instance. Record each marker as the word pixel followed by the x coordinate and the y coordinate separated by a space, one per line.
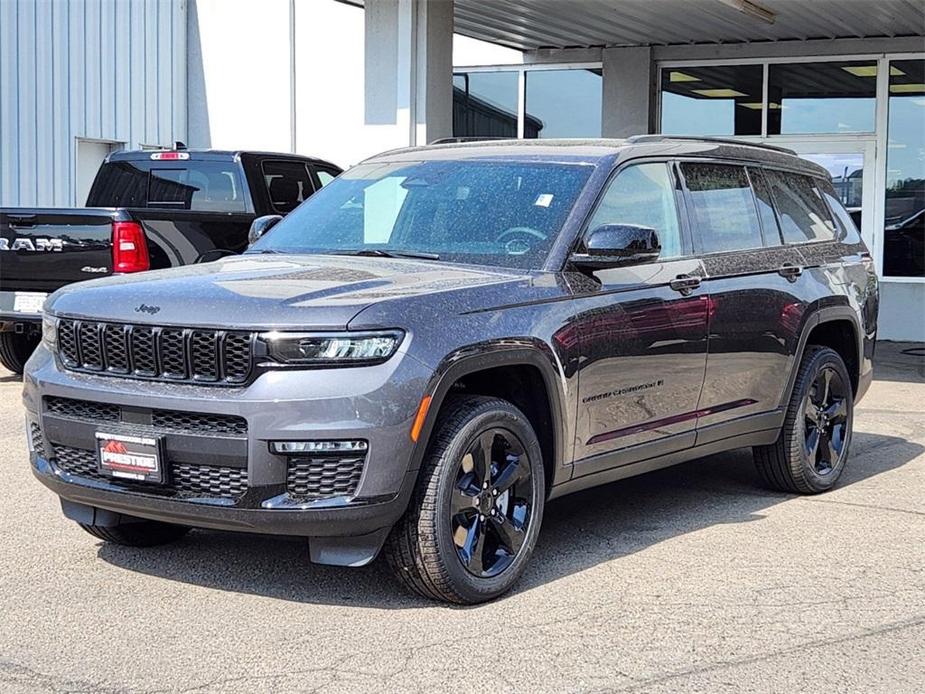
pixel 84 69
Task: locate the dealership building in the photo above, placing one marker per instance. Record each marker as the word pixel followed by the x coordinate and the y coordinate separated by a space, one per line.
pixel 841 82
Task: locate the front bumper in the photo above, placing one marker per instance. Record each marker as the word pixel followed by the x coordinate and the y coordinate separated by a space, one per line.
pixel 376 404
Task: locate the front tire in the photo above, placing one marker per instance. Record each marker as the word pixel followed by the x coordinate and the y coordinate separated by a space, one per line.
pixel 15 350
pixel 476 511
pixel 810 454
pixel 141 534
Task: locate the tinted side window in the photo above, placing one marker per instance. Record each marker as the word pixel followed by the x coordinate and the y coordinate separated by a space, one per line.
pixel 325 176
pixel 288 184
pixel 847 230
pixel 765 204
pixel 643 194
pixel 199 186
pixel 723 207
pixel 803 214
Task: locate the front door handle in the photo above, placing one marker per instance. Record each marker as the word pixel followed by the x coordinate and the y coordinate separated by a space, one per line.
pixel 790 271
pixel 685 283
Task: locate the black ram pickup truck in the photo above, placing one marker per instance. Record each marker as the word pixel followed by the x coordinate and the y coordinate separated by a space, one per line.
pixel 146 210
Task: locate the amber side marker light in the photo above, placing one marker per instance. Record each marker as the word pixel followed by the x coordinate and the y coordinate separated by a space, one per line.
pixel 419 418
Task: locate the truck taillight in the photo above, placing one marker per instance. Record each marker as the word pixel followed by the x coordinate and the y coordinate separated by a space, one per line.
pixel 129 248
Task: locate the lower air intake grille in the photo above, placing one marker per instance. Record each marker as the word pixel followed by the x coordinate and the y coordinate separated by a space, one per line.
pixel 35 436
pixel 172 421
pixel 323 477
pixel 195 480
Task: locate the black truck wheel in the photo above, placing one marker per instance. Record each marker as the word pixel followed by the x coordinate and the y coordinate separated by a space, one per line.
pixel 15 350
pixel 140 534
pixel 476 512
pixel 810 453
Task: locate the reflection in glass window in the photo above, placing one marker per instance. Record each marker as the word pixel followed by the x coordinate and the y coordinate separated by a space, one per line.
pixel 904 230
pixel 643 195
pixel 563 103
pixel 725 218
pixel 765 204
pixel 485 104
pixel 822 97
pixel 717 100
pixel 803 214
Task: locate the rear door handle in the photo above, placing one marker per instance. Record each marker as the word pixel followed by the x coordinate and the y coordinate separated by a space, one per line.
pixel 791 272
pixel 685 283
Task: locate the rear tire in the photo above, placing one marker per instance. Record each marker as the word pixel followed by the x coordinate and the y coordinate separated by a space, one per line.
pixel 810 454
pixel 140 534
pixel 471 527
pixel 15 350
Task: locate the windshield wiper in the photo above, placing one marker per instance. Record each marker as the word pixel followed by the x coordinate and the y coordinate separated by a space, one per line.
pixel 381 253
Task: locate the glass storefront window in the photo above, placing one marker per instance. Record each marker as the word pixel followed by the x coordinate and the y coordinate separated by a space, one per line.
pixel 485 104
pixel 904 225
pixel 822 97
pixel 717 100
pixel 563 103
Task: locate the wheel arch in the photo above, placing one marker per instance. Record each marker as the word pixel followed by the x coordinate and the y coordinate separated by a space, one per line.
pixel 533 384
pixel 837 327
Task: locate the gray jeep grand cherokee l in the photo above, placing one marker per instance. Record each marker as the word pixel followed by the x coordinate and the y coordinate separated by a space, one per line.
pixel 445 338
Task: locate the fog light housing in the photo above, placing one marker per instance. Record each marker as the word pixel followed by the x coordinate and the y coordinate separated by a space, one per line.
pixel 301 447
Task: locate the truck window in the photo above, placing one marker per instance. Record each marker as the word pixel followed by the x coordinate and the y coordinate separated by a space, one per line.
pixel 203 186
pixel 288 184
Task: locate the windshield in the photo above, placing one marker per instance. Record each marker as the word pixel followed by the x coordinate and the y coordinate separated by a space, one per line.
pixel 484 212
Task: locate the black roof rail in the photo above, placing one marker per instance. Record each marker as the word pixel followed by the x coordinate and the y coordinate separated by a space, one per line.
pixel 634 139
pixel 457 140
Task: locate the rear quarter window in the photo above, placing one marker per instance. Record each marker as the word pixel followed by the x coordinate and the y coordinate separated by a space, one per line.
pixel 802 212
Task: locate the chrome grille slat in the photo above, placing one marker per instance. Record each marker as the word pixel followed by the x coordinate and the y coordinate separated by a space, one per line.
pixel 188 355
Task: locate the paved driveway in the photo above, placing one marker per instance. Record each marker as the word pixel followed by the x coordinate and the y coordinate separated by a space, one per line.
pixel 688 579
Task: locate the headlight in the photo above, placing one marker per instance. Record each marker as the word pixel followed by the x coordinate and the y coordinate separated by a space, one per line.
pixel 49 331
pixel 332 348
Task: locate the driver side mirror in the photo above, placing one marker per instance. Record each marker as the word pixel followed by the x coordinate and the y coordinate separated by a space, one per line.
pixel 617 245
pixel 261 226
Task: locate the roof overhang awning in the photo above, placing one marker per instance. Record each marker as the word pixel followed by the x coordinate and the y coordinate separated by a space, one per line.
pixel 534 24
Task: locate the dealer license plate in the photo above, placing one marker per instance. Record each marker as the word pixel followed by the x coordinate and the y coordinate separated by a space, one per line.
pixel 124 456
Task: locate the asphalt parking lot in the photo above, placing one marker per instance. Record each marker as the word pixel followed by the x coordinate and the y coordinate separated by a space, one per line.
pixel 688 579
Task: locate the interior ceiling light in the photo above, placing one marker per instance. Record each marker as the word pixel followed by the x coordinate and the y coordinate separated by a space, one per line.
pixel 861 70
pixel 907 88
pixel 869 70
pixel 675 76
pixel 752 9
pixel 719 93
pixel 754 105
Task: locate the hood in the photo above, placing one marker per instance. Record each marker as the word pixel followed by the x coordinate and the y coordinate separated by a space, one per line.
pixel 275 291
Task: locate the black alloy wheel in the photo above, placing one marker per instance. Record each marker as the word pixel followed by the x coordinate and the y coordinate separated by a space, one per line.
pixel 477 508
pixel 826 421
pixel 490 510
pixel 812 448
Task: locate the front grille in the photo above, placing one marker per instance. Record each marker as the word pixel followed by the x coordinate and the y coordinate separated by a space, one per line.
pixel 158 353
pixel 196 480
pixel 173 421
pixel 323 477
